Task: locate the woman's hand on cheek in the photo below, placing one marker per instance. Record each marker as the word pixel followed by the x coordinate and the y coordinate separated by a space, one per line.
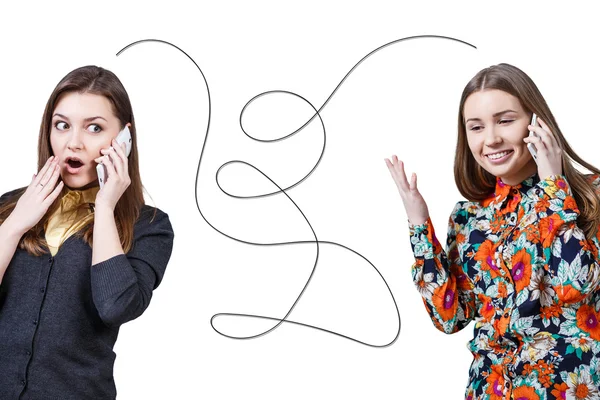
pixel 117 180
pixel 549 153
pixel 416 208
pixel 37 198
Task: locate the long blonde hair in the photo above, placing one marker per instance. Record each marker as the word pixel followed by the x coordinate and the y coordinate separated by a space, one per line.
pixel 476 184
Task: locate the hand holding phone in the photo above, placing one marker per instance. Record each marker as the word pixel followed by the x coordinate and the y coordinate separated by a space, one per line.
pixel 123 137
pixel 531 146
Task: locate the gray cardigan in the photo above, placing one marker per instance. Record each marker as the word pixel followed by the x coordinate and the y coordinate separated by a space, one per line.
pixel 60 316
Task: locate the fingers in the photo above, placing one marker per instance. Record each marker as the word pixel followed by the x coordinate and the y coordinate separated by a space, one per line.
pixel 401 176
pixel 49 178
pixel 48 186
pixel 110 168
pixel 544 137
pixel 118 158
pixel 52 196
pixel 413 181
pixel 537 141
pixel 548 134
pixel 396 168
pixel 42 172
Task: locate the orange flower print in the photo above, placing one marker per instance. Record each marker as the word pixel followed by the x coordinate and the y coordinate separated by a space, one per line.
pixel 545 371
pixel 541 205
pixel 587 321
pixel 560 390
pixel 487 309
pixel 536 329
pixel 532 233
pixel 485 255
pixel 581 385
pixel 570 204
pixel 587 245
pixel 520 213
pixel 525 393
pixel 502 189
pixel 430 234
pixel 445 299
pixel 486 202
pixel 500 326
pixel 495 225
pixel 561 184
pixel 502 292
pixel 567 294
pixel 496 383
pixel 548 227
pixel 552 311
pixel 521 269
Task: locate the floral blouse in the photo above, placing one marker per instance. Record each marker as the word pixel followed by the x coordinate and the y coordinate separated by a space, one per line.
pixel 518 265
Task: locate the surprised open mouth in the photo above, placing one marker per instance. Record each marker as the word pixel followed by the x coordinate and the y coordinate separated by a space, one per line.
pixel 73 165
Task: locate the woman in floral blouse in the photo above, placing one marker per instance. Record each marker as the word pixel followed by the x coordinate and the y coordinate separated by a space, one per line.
pixel 522 252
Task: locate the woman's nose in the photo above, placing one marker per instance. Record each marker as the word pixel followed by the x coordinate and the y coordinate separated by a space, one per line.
pixel 75 142
pixel 492 137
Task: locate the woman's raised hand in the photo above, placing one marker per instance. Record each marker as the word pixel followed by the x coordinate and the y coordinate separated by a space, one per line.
pixel 549 154
pixel 118 179
pixel 416 208
pixel 39 195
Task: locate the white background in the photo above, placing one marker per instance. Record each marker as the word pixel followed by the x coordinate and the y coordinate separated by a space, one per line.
pixel 402 100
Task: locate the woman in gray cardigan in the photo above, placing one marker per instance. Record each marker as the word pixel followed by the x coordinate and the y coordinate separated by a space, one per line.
pixel 76 260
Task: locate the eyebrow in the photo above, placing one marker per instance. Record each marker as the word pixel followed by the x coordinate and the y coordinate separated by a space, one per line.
pixel 86 119
pixel 495 115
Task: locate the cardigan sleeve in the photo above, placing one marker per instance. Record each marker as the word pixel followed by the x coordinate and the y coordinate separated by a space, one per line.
pixel 572 260
pixel 4 198
pixel 446 290
pixel 122 285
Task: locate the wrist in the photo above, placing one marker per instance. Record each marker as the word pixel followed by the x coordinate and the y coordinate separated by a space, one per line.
pixel 417 221
pixel 102 208
pixel 13 229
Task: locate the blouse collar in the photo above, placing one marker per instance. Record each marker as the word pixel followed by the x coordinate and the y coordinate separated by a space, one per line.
pixel 504 191
pixel 74 198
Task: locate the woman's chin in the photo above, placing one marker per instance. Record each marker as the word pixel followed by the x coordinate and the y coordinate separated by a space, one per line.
pixel 80 184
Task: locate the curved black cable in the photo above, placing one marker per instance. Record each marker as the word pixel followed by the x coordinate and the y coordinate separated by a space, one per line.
pixel 316 241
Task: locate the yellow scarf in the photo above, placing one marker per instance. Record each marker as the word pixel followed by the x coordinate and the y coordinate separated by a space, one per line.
pixel 67 220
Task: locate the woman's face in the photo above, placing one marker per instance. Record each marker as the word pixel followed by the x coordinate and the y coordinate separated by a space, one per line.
pixel 82 124
pixel 496 124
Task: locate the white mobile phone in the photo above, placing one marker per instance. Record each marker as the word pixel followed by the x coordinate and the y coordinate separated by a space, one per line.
pixel 123 137
pixel 531 146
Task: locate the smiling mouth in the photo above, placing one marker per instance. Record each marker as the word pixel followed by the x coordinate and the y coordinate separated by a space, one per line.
pixel 497 156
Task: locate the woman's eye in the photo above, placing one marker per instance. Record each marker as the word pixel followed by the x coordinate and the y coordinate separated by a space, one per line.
pixel 94 128
pixel 505 121
pixel 475 128
pixel 61 126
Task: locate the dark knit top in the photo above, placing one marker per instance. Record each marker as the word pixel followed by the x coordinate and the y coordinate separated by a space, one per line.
pixel 60 316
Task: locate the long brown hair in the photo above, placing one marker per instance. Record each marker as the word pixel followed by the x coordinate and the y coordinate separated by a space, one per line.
pixel 476 184
pixel 99 81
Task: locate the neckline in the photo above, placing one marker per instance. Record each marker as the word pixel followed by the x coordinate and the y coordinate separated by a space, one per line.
pixel 503 191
